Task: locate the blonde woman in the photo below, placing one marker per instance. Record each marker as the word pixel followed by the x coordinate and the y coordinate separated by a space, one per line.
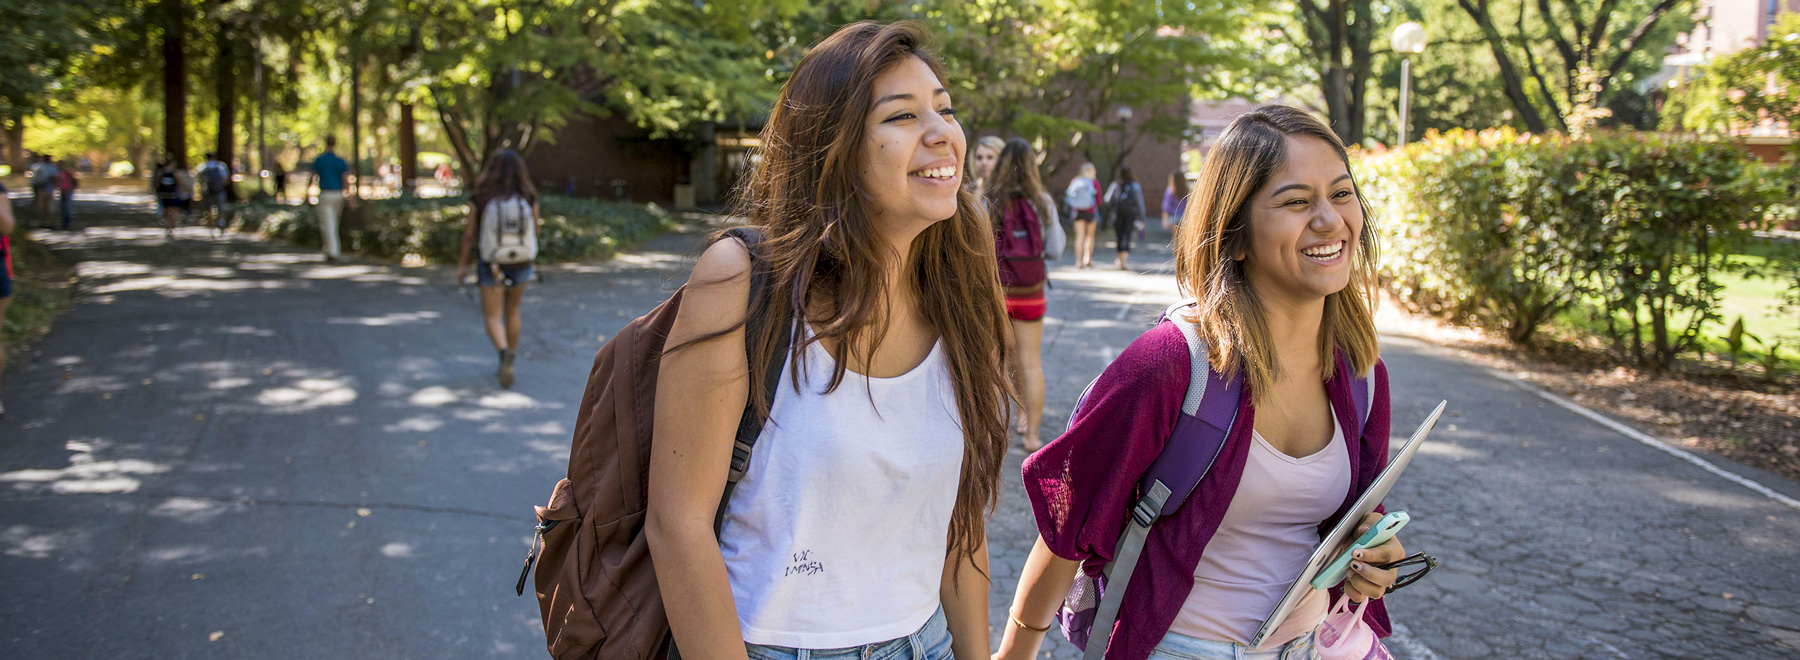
pixel 1280 257
pixel 1083 197
pixel 982 159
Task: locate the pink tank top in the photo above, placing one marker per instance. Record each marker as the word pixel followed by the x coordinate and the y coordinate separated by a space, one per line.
pixel 1268 533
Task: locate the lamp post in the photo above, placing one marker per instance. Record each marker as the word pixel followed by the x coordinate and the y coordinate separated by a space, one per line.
pixel 1408 39
pixel 1123 114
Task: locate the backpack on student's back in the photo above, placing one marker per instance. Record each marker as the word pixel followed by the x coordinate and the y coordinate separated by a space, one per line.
pixel 1208 412
pixel 213 177
pixel 508 232
pixel 168 186
pixel 596 586
pixel 1121 206
pixel 1019 242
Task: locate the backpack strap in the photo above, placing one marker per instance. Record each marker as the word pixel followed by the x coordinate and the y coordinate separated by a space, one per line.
pixel 1211 402
pixel 750 425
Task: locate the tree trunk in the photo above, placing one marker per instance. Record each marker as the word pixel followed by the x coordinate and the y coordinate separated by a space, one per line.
pixel 15 143
pixel 1361 68
pixel 225 87
pixel 409 150
pixel 355 124
pixel 174 52
pixel 1515 85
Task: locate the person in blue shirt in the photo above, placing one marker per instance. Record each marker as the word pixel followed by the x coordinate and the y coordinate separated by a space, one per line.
pixel 328 173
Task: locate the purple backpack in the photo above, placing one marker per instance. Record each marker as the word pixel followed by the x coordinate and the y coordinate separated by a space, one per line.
pixel 1207 413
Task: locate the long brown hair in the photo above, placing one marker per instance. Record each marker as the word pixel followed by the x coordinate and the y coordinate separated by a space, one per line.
pixel 504 175
pixel 1015 173
pixel 824 256
pixel 1230 314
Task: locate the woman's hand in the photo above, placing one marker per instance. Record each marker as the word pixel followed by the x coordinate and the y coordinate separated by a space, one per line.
pixel 462 273
pixel 1365 581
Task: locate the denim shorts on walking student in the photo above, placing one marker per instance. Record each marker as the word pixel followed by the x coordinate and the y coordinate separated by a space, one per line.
pixel 931 642
pixel 1182 647
pixel 513 275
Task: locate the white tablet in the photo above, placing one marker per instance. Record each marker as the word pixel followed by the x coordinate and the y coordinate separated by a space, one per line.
pixel 1333 543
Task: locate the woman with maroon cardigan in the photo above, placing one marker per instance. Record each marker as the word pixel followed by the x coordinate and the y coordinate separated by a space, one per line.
pixel 1281 261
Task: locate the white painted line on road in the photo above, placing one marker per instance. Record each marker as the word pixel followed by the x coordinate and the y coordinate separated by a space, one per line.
pixel 1129 303
pixel 1408 645
pixel 1646 439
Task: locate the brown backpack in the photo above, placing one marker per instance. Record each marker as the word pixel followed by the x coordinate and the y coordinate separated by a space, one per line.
pixel 596 587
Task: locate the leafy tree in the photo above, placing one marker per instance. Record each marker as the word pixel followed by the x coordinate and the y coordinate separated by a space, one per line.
pixel 42 44
pixel 1763 83
pixel 1595 44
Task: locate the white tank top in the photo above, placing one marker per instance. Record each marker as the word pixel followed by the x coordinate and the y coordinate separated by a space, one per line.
pixel 836 535
pixel 1268 533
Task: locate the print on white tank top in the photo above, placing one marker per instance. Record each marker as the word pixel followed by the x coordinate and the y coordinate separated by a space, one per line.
pixel 836 535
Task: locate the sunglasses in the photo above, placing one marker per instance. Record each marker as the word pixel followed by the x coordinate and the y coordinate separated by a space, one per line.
pixel 1406 579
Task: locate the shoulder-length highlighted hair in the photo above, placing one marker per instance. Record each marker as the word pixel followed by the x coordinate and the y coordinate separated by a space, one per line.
pixel 1230 314
pixel 825 256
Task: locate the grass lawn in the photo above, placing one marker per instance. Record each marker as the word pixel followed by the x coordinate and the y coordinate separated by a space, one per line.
pixel 1748 293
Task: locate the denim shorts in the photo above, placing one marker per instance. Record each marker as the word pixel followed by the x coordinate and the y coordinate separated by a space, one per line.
pixel 1182 647
pixel 932 642
pixel 513 275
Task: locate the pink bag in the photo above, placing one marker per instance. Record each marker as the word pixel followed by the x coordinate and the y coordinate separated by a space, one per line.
pixel 1344 635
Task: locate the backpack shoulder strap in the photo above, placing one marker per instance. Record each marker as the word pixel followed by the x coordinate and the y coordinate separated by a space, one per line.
pixel 1212 400
pixel 750 425
pixel 1362 392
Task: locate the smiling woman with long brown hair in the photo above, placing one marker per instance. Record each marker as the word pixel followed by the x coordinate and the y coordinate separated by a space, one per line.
pixel 858 528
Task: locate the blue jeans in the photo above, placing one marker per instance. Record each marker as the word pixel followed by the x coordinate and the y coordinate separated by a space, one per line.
pixel 68 198
pixel 931 642
pixel 1182 647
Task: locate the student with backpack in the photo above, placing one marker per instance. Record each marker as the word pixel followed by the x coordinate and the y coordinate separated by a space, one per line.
pixel 215 177
pixel 1083 198
pixel 1124 208
pixel 170 184
pixel 1026 216
pixel 1263 405
pixel 503 223
pixel 44 174
pixel 66 183
pixel 859 317
pixel 7 225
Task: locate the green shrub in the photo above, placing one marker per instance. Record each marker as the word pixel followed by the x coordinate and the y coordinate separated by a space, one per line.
pixel 432 228
pixel 1505 231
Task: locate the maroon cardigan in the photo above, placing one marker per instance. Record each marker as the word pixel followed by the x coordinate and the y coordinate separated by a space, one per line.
pixel 1082 484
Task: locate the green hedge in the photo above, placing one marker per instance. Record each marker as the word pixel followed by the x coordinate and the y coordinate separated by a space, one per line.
pixel 431 228
pixel 1506 231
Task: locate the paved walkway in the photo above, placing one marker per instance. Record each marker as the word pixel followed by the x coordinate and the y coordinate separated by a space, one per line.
pixel 231 449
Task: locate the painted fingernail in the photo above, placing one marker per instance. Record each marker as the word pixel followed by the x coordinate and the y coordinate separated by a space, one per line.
pixel 1357 566
pixel 1359 554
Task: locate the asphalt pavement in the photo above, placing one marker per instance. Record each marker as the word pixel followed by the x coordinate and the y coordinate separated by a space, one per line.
pixel 231 449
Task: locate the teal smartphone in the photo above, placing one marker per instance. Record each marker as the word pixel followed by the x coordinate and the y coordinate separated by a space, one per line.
pixel 1381 532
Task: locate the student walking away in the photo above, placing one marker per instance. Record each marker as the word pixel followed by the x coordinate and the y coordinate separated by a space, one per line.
pixel 503 223
pixel 1175 198
pixel 66 184
pixel 838 382
pixel 168 183
pixel 1083 198
pixel 1280 256
pixel 1125 209
pixel 328 172
pixel 279 175
pixel 982 159
pixel 7 225
pixel 215 179
pixel 44 174
pixel 1026 214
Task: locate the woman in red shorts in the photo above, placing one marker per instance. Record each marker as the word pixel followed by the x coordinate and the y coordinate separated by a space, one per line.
pixel 1016 199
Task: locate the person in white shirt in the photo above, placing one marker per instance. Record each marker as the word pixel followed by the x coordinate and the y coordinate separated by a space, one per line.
pixel 858 529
